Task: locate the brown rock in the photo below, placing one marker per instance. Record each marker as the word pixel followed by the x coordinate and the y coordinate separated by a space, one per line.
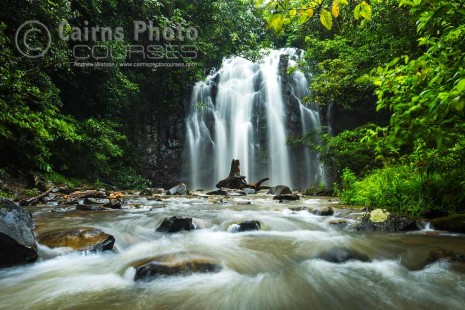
pixel 80 239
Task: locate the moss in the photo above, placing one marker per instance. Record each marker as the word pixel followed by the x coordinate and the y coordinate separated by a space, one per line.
pixel 378 216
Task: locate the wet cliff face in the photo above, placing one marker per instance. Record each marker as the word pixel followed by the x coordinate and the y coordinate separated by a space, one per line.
pixel 158 137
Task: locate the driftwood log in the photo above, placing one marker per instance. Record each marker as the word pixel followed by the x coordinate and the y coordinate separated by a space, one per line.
pixel 237 181
pixel 35 199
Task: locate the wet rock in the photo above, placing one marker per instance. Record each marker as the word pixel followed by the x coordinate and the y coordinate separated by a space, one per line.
pixel 96 201
pixel 298 209
pixel 17 241
pixel 281 198
pixel 246 226
pixel 280 190
pixel 378 220
pixel 434 214
pixel 146 192
pixel 80 239
pixel 454 223
pixel 180 189
pixel 326 211
pixel 419 258
pixel 342 255
pixel 337 222
pixel 249 191
pixel 175 224
pixel 86 194
pixel 155 269
pixel 443 254
pixel 114 204
pixel 219 192
pixel 89 208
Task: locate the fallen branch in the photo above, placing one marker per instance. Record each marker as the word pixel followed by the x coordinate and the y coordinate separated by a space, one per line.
pixel 36 199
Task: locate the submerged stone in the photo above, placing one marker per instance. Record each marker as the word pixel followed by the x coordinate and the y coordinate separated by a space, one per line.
pixel 341 255
pixel 80 239
pixel 17 241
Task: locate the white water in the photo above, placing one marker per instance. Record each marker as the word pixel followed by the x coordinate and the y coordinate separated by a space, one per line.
pixel 240 112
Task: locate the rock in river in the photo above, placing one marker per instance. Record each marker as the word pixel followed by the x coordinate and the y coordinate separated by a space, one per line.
pixel 17 241
pixel 379 220
pixel 280 190
pixel 326 211
pixel 180 189
pixel 246 226
pixel 286 197
pixel 454 223
pixel 175 224
pixel 341 255
pixel 154 269
pixel 80 239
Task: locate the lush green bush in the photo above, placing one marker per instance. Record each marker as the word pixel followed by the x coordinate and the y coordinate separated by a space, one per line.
pixel 396 188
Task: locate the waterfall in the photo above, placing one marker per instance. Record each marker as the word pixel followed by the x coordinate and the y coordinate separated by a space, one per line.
pixel 248 111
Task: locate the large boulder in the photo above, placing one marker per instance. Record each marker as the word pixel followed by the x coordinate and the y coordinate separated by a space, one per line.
pixel 379 220
pixel 246 226
pixel 162 267
pixel 175 224
pixel 17 241
pixel 280 190
pixel 180 189
pixel 454 223
pixel 341 255
pixel 80 239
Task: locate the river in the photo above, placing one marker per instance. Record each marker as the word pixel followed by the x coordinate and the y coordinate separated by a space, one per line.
pixel 278 267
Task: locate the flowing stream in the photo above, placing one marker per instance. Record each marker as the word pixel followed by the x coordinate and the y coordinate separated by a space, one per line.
pixel 279 267
pixel 247 111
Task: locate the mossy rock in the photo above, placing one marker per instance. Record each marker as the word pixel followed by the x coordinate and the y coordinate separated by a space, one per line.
pixel 454 223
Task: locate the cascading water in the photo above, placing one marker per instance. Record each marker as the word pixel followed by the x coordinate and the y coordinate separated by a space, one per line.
pixel 247 111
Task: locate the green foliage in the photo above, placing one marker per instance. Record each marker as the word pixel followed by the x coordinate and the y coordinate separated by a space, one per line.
pixel 393 188
pixel 86 122
pixel 280 14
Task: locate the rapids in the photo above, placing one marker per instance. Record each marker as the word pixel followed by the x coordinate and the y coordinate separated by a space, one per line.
pixel 275 268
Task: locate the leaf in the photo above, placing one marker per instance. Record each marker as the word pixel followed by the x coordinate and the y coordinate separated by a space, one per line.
pixel 326 19
pixel 276 23
pixel 303 17
pixel 344 2
pixel 292 13
pixel 365 10
pixel 459 103
pixel 309 12
pixel 335 8
pixel 357 11
pixel 461 85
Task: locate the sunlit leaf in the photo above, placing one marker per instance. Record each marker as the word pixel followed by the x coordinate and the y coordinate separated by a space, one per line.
pixel 365 10
pixel 326 19
pixel 335 8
